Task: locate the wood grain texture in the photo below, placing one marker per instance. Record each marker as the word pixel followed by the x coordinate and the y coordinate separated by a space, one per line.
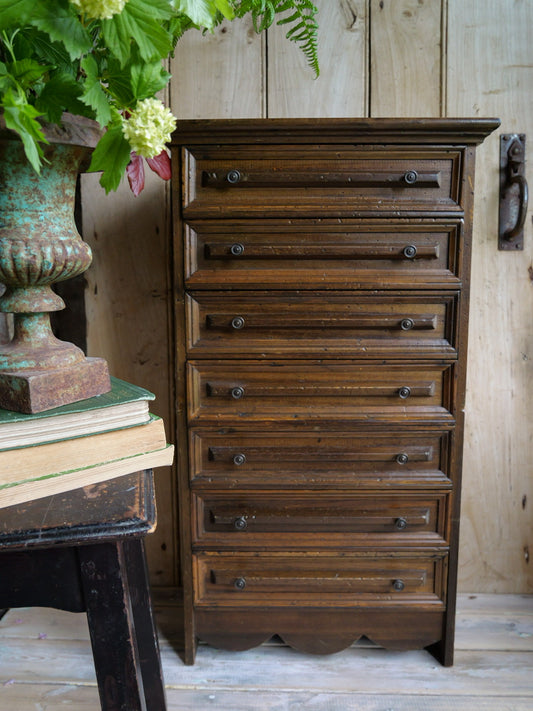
pixel 405 57
pixel 219 75
pixel 342 87
pixel 126 302
pixel 490 71
pixel 492 671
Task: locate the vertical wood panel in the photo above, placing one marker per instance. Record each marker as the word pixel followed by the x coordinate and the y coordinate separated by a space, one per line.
pixel 490 72
pixel 219 75
pixel 127 300
pixel 405 57
pixel 341 88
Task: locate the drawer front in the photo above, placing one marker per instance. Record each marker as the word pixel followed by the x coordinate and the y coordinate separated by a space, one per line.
pixel 275 181
pixel 238 520
pixel 236 390
pixel 315 578
pixel 266 325
pixel 320 254
pixel 259 460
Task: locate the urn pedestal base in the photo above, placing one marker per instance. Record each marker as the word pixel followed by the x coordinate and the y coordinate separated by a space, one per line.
pixel 38 390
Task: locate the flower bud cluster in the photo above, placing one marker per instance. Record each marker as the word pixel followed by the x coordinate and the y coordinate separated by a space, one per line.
pixel 99 9
pixel 148 128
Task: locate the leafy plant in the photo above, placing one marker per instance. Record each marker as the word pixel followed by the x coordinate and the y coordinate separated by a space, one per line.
pixel 103 59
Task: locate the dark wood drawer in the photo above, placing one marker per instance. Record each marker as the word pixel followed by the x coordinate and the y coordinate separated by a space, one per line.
pixel 240 459
pixel 321 254
pixel 317 578
pixel 267 325
pixel 234 391
pixel 246 181
pixel 266 521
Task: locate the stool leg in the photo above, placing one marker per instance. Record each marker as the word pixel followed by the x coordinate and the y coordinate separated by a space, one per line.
pixel 146 633
pixel 112 626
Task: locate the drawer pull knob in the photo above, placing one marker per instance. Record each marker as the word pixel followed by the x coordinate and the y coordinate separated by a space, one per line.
pixel 239 459
pixel 240 524
pixel 400 524
pixel 398 585
pixel 409 251
pixel 237 323
pixel 406 324
pixel 239 584
pixel 404 392
pixel 411 177
pixel 233 176
pixel 237 393
pixel 236 249
pixel 402 458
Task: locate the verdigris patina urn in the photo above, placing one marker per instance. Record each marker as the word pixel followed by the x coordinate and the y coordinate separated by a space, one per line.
pixel 40 245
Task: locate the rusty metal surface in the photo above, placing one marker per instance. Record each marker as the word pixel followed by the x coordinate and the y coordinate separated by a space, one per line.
pixel 40 390
pixel 513 192
pixel 40 245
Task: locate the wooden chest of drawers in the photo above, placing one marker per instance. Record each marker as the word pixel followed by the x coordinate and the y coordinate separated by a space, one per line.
pixel 321 271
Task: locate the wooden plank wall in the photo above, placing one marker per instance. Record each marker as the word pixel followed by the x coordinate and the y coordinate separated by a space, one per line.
pixel 378 58
pixel 490 72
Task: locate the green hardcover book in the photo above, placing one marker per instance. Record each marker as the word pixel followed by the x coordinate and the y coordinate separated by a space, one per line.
pixel 125 405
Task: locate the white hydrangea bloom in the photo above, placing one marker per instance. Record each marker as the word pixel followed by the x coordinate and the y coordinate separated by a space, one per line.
pixel 148 128
pixel 99 9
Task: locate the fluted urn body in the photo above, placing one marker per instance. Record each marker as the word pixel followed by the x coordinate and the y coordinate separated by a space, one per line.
pixel 40 245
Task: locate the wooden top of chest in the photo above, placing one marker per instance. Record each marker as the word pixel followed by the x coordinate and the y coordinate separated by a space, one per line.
pixel 462 131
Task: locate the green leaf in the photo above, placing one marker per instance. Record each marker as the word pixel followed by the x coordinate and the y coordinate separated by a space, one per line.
pixel 117 38
pixel 202 12
pixel 118 80
pixel 60 93
pixel 26 72
pixel 152 39
pixel 147 79
pixel 48 52
pixel 93 94
pixel 139 21
pixel 22 118
pixel 111 155
pixel 61 23
pixel 135 81
pixel 225 8
pixel 14 13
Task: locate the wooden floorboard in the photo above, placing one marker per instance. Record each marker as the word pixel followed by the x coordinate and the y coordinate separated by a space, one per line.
pixel 46 665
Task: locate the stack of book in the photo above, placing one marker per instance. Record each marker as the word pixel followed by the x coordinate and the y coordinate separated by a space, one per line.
pixel 80 444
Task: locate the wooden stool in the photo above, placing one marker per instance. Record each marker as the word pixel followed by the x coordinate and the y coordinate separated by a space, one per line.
pixel 83 551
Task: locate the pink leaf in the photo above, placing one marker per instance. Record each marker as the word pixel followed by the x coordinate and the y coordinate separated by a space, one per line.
pixel 135 173
pixel 161 165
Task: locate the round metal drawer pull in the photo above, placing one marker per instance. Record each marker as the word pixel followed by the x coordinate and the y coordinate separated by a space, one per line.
pixel 402 458
pixel 410 251
pixel 237 323
pixel 239 584
pixel 240 524
pixel 406 324
pixel 400 524
pixel 237 393
pixel 398 585
pixel 233 176
pixel 404 392
pixel 237 249
pixel 411 177
pixel 239 459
